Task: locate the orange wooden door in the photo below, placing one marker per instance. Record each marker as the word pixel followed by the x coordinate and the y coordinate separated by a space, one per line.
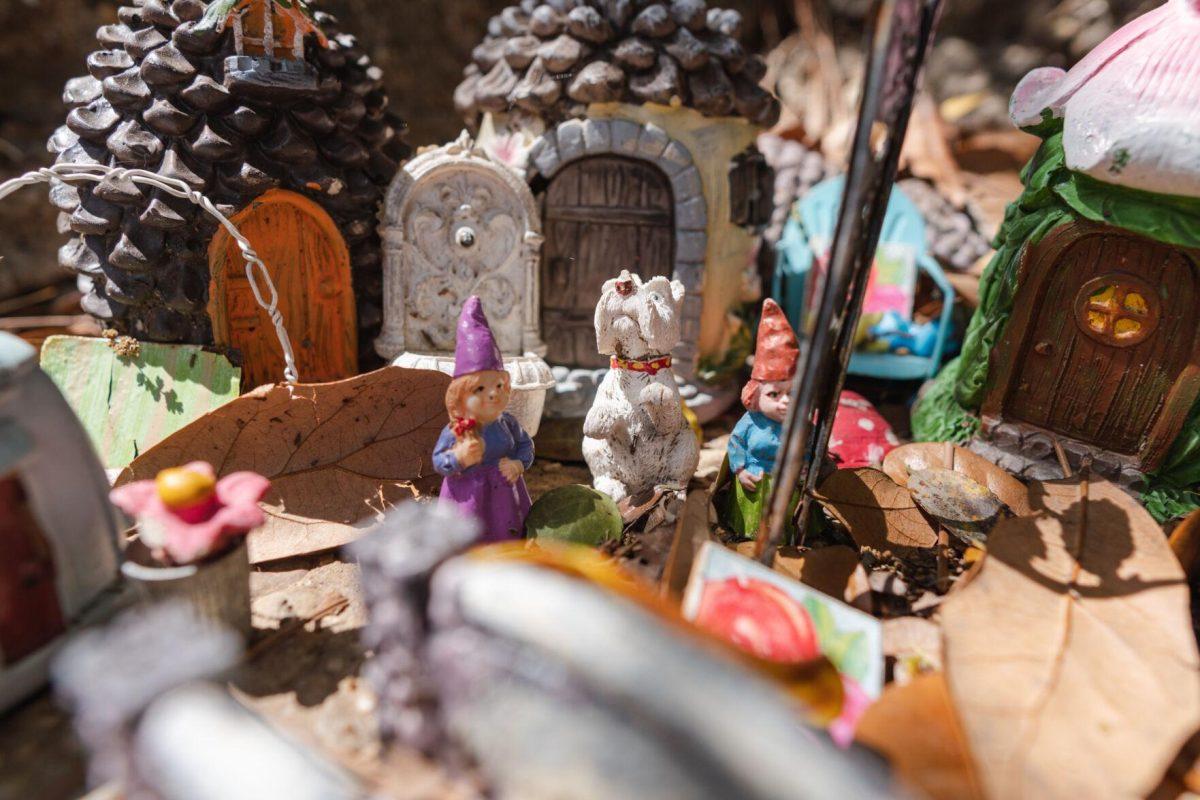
pixel 30 615
pixel 310 266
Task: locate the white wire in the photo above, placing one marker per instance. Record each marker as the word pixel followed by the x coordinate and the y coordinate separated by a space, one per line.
pixel 97 172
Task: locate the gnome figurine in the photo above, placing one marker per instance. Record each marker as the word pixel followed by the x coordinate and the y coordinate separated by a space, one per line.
pixel 755 439
pixel 483 452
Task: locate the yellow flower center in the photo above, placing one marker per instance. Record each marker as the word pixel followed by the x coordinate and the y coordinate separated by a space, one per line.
pixel 183 488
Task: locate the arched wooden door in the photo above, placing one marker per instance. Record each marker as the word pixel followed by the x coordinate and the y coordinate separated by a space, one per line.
pixel 30 614
pixel 310 266
pixel 602 214
pixel 1102 342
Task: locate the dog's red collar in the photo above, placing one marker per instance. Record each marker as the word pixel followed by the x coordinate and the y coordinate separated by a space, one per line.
pixel 651 366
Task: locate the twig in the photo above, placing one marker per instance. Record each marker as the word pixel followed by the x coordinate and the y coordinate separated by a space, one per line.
pixel 1061 455
pixel 898 43
pixel 53 321
pixel 332 608
pixel 31 298
pixel 943 568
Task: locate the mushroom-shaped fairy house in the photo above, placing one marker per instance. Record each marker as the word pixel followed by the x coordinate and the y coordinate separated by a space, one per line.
pixel 633 123
pixel 269 111
pixel 1086 332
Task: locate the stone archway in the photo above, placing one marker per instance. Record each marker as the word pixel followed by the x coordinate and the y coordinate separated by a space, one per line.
pixel 580 138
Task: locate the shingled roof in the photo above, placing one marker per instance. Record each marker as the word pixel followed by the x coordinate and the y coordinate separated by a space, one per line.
pixel 553 58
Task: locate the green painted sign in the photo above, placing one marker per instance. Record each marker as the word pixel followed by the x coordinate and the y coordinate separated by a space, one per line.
pixel 130 402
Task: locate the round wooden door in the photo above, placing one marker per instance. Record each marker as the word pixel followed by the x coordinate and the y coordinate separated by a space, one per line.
pixel 602 214
pixel 1108 340
pixel 310 266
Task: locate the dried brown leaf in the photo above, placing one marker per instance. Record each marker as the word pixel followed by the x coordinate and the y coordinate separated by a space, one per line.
pixel 826 569
pixel 902 461
pixel 909 637
pixel 1185 544
pixel 1182 779
pixel 691 532
pixel 876 511
pixel 832 570
pixel 916 727
pixel 338 454
pixel 858 590
pixel 926 152
pixel 1070 654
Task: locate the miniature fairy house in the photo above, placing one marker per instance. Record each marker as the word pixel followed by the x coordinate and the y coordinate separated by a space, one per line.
pixel 634 124
pixel 1086 331
pixel 57 531
pixel 459 223
pixel 280 120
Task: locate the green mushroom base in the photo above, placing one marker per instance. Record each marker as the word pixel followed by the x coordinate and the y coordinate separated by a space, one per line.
pixel 1055 195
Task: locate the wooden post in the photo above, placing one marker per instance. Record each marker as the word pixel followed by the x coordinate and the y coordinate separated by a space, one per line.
pixel 900 36
pixel 239 35
pixel 268 37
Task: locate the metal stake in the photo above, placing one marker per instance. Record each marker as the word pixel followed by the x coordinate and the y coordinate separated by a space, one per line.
pixel 900 35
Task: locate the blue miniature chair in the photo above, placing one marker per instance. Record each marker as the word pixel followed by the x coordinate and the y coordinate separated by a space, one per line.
pixel 811 225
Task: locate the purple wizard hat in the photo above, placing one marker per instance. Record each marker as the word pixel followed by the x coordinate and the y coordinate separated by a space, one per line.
pixel 475 348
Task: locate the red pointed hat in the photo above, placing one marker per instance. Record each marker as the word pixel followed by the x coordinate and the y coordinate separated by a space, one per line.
pixel 777 349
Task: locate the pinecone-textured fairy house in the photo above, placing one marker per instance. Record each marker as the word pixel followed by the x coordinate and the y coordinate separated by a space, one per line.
pixel 634 124
pixel 281 120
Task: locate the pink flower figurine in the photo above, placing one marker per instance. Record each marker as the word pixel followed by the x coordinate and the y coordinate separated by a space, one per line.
pixel 186 515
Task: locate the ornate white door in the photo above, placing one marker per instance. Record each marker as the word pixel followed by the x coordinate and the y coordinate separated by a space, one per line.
pixel 457 223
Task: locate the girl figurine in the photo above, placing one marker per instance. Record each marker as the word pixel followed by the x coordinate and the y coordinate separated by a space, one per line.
pixel 483 452
pixel 755 439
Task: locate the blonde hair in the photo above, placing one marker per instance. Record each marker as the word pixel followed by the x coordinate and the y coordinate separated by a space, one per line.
pixel 750 394
pixel 461 388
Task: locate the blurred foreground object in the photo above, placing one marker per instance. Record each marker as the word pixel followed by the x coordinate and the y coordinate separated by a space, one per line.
pixel 191 538
pixel 58 536
pixel 538 666
pixel 157 727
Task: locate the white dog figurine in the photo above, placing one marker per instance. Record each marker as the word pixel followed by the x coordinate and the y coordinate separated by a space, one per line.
pixel 635 435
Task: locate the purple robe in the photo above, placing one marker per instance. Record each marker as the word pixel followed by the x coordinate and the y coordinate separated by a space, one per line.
pixel 481 490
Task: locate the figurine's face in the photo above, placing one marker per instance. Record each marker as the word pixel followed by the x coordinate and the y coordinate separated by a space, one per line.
pixel 487 396
pixel 773 399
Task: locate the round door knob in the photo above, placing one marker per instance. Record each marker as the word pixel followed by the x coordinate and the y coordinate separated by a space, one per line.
pixel 465 237
pixel 1043 348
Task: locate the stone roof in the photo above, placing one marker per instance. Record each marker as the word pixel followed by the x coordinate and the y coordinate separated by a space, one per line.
pixel 1131 108
pixel 553 58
